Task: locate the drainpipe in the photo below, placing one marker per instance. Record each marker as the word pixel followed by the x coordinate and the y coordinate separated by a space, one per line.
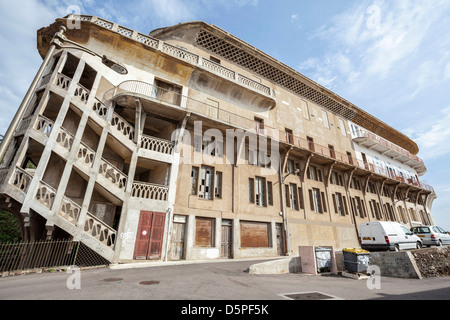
pixel 283 203
pixel 26 100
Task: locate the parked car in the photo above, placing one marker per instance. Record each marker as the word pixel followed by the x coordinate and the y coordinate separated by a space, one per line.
pixel 432 235
pixel 387 235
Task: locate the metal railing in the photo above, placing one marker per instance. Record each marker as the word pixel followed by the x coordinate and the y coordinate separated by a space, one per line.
pixel 47 254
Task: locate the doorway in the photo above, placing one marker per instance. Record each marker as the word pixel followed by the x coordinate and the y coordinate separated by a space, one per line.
pixel 279 230
pixel 227 239
pixel 176 251
pixel 150 236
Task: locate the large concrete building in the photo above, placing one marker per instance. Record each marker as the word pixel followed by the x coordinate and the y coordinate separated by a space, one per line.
pixel 189 143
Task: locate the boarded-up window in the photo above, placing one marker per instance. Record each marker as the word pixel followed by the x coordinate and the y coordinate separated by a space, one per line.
pixel 204 232
pixel 255 234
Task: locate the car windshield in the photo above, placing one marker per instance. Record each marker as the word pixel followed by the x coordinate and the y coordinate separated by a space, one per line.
pixel 421 230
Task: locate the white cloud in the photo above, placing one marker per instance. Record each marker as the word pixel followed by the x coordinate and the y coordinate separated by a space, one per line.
pixel 378 37
pixel 433 141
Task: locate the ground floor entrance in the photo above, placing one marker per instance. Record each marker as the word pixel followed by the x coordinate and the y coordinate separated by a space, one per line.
pixel 150 236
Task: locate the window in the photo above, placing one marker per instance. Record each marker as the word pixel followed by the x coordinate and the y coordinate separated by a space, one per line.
pixel 310 143
pixel 218 185
pixel 326 123
pixel 289 136
pixel 214 59
pixel 206 183
pixel 342 126
pixel 305 109
pixel 314 173
pixel 358 206
pixel 259 125
pixel 332 152
pixel 293 196
pixel 197 143
pixel 251 191
pixel 204 232
pixel 269 193
pixel 337 179
pixel 260 191
pixel 209 146
pixel 338 203
pixel 317 200
pixel 350 158
pixel 194 180
pixel 375 209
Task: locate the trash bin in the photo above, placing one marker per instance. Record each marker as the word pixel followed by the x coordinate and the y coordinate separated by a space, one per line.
pixel 323 259
pixel 356 260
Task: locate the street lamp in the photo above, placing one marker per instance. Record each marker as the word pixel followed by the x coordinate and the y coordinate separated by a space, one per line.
pixel 57 43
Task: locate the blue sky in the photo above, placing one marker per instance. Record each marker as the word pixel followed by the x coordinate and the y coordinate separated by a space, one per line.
pixel 390 58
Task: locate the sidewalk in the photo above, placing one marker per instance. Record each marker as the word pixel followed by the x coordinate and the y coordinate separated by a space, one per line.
pixel 147 264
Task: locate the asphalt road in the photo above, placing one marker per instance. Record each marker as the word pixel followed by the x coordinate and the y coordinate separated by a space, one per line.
pixel 210 281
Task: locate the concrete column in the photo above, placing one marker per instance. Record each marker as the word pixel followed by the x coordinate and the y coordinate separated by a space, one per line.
pixel 40 170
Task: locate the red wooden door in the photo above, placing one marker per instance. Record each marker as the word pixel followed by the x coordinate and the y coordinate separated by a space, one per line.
pixel 156 236
pixel 150 236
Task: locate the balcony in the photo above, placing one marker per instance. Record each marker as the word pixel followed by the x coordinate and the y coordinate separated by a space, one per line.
pixel 182 54
pixel 374 142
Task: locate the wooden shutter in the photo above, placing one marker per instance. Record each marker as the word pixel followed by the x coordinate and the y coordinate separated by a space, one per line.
pixel 204 232
pixel 254 234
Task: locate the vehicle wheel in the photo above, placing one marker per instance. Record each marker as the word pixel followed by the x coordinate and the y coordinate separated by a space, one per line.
pixel 418 245
pixel 396 248
pixel 439 243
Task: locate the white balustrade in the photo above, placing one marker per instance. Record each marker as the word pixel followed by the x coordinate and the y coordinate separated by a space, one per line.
pixel 110 172
pixel 100 231
pixel 253 84
pixel 100 109
pixel 3 174
pixel 69 210
pixel 44 125
pixel 23 126
pixel 157 144
pixel 45 194
pixel 153 43
pixel 217 68
pixel 65 138
pixel 122 126
pixel 149 191
pixel 21 179
pixel 82 93
pixel 85 154
pixel 63 81
pixel 180 53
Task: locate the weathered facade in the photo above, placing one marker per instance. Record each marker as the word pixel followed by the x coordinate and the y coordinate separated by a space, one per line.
pixel 197 145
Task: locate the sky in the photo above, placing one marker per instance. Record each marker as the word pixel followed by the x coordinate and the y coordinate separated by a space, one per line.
pixel 390 58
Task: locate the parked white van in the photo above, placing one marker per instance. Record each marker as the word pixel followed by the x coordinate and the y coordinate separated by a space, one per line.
pixel 387 235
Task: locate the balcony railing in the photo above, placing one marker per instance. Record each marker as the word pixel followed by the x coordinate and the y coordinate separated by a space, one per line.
pixel 151 191
pixel 157 144
pixel 69 210
pixel 45 194
pixel 361 133
pixel 176 52
pixel 236 120
pixel 100 230
pixel 44 125
pixel 21 179
pixel 117 177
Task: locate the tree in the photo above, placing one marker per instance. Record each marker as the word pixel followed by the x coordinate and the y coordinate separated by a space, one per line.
pixel 9 228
